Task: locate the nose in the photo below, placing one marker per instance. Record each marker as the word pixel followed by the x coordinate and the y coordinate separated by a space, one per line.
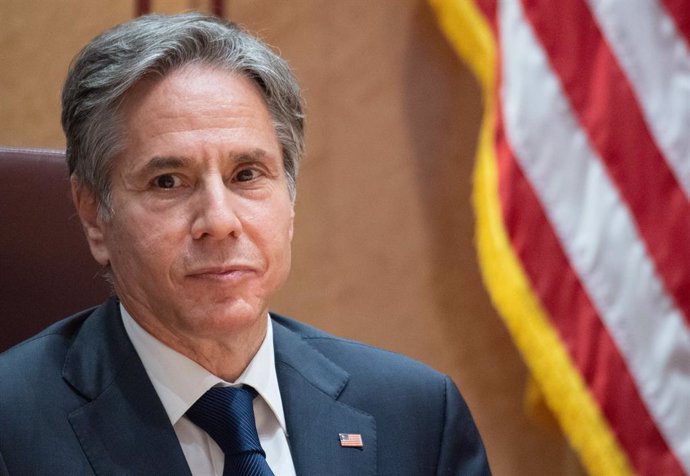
pixel 215 215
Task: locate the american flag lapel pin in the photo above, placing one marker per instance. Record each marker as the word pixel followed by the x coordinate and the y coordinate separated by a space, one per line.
pixel 351 440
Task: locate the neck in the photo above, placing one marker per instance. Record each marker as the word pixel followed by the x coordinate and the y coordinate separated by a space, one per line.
pixel 224 354
pixel 226 358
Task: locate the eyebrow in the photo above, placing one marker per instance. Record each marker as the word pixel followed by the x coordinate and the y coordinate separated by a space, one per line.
pixel 162 163
pixel 251 156
pixel 157 163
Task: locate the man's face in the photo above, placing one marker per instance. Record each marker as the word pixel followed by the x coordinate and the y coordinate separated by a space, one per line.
pixel 200 233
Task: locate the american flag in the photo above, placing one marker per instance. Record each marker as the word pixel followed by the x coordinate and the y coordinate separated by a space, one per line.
pixel 352 440
pixel 582 190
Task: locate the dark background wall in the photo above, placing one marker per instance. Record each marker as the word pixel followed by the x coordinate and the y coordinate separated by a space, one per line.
pixel 383 251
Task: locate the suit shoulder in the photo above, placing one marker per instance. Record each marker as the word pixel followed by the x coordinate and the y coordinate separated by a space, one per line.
pixel 362 360
pixel 45 350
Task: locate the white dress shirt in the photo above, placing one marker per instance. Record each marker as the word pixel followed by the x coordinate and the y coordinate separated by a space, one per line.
pixel 179 382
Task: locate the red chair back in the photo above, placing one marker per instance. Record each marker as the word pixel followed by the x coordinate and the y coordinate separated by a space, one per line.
pixel 46 268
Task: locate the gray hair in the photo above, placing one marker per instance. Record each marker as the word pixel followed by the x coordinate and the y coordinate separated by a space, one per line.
pixel 113 62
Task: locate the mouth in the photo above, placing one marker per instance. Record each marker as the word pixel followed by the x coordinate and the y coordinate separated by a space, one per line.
pixel 222 273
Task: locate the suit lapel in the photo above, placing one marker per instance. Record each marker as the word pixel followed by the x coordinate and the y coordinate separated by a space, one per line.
pixel 123 427
pixel 310 386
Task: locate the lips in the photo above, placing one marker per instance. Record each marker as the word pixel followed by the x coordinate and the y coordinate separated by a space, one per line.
pixel 222 273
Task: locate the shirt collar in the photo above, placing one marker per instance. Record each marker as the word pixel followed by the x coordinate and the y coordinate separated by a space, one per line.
pixel 179 381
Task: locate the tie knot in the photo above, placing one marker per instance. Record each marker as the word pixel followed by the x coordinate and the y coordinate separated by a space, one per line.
pixel 227 415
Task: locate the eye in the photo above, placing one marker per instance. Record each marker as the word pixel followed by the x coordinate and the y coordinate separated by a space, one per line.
pixel 246 175
pixel 166 181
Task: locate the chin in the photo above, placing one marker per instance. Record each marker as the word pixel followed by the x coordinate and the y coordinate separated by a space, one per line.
pixel 231 316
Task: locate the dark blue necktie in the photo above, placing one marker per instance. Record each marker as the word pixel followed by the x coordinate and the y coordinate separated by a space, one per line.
pixel 227 415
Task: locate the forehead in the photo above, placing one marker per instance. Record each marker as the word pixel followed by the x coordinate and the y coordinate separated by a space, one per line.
pixel 196 105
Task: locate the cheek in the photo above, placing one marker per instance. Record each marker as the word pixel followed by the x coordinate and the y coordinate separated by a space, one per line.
pixel 280 229
pixel 271 232
pixel 142 247
pixel 282 245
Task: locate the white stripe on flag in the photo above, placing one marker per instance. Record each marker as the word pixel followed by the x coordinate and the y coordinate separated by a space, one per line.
pixel 656 61
pixel 596 229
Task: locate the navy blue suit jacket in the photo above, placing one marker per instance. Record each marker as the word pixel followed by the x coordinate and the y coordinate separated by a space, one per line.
pixel 76 400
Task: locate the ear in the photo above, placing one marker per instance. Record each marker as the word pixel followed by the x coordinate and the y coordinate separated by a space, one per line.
pixel 87 208
pixel 292 221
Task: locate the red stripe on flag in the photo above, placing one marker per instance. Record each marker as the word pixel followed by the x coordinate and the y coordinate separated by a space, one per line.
pixel 488 9
pixel 606 107
pixel 680 12
pixel 576 320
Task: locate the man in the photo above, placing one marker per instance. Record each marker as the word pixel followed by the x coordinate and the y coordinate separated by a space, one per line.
pixel 184 135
